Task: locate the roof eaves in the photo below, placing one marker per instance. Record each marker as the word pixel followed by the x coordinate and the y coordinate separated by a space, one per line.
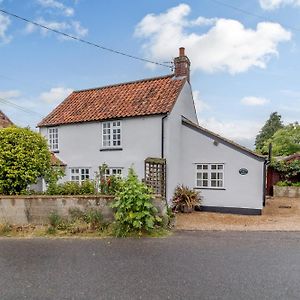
pixel 221 139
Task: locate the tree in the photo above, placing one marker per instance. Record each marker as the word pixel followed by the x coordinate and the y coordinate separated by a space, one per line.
pixel 24 156
pixel 273 124
pixel 285 141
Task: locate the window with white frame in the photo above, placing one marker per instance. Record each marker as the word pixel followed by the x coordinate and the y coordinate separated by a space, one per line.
pixel 113 172
pixel 79 174
pixel 53 138
pixel 111 134
pixel 210 175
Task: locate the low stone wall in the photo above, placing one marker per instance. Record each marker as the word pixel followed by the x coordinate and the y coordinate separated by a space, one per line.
pixel 287 191
pixel 21 210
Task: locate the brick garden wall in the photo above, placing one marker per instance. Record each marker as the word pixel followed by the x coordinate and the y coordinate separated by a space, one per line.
pixel 23 210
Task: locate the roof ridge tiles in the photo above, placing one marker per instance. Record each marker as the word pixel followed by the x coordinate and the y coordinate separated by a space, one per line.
pixel 125 83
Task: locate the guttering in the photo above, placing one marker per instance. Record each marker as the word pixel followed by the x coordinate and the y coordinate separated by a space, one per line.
pixel 163 136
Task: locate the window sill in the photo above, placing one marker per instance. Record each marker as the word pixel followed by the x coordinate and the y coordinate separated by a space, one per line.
pixel 209 188
pixel 111 149
pixel 54 151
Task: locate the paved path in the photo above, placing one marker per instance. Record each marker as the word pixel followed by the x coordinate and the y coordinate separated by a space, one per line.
pixel 187 265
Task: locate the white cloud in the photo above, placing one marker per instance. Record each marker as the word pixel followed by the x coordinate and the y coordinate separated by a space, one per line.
pixel 70 27
pixel 226 46
pixel 200 105
pixel 254 101
pixel 274 4
pixel 67 11
pixel 55 94
pixel 240 131
pixel 10 94
pixel 4 24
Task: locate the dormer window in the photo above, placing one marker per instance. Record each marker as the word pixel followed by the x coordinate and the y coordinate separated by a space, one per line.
pixel 53 139
pixel 111 134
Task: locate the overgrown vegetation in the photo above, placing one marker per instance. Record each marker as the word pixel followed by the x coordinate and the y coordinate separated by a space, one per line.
pixel 185 199
pixel 288 183
pixel 24 157
pixel 135 213
pixel 90 220
pixel 287 170
pixel 87 187
pixel 103 184
pixel 107 185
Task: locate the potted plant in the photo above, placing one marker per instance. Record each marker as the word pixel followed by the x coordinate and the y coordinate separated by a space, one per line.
pixel 185 199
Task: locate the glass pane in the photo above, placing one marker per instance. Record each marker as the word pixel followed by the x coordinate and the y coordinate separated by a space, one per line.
pixel 213 175
pixel 205 183
pixel 220 167
pixel 213 183
pixel 213 167
pixel 205 167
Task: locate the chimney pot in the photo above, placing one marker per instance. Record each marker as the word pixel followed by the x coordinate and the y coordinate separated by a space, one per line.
pixel 181 51
pixel 182 64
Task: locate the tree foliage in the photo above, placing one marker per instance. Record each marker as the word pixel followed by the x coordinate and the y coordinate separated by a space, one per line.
pixel 285 141
pixel 272 125
pixel 24 156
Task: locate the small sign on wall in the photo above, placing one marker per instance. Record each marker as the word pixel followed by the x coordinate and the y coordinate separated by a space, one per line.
pixel 243 171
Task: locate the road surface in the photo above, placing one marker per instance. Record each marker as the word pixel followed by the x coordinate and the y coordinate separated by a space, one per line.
pixel 187 265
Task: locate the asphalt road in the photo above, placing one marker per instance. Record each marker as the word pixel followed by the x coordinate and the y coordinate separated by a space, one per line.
pixel 187 265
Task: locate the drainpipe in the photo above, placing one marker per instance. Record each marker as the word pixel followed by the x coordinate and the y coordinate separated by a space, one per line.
pixel 163 152
pixel 266 163
pixel 163 136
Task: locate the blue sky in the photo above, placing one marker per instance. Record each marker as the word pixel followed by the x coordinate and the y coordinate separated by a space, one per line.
pixel 243 67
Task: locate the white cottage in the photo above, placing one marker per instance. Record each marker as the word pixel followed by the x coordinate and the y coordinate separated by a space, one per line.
pixel 152 125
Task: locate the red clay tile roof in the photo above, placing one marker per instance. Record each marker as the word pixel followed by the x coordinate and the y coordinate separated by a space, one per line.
pixel 4 120
pixel 138 98
pixel 55 161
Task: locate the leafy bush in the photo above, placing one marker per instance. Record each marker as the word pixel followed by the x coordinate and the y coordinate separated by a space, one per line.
pixel 87 188
pixel 72 188
pixel 24 156
pixel 184 196
pixel 135 212
pixel 287 170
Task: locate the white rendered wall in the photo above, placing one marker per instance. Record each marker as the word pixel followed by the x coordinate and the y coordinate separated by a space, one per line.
pixel 184 106
pixel 242 191
pixel 80 144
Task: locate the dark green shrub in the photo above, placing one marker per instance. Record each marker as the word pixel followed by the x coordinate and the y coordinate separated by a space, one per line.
pixel 135 212
pixel 24 156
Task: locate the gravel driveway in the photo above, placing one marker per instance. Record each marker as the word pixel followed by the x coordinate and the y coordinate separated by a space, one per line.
pixel 279 214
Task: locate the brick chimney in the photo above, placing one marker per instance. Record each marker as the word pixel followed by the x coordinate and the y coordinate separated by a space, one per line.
pixel 182 64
